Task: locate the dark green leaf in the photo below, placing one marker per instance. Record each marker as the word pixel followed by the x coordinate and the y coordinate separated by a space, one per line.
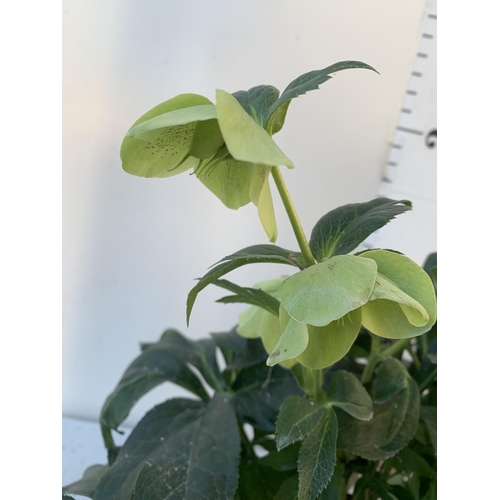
pixel 259 392
pixel 258 482
pixel 198 462
pixel 297 417
pixel 432 491
pixel 391 379
pixel 395 418
pixel 200 354
pixel 412 462
pixel 153 367
pixel 253 354
pixel 343 229
pixel 430 263
pixel 317 457
pixel 335 489
pixel 230 341
pixel 304 83
pixel 284 460
pixel 257 101
pixel 150 434
pixel 429 415
pixel 253 296
pixel 347 392
pixel 250 255
pixel 87 485
pixel 289 489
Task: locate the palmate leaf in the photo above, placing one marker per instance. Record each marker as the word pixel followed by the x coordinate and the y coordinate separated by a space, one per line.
pixel 345 391
pixel 87 485
pixel 249 255
pixel 200 354
pixel 259 393
pixel 344 228
pixel 304 83
pixel 257 101
pixel 151 368
pixel 182 449
pixel 395 419
pixel 317 457
pixel 252 296
pixel 297 418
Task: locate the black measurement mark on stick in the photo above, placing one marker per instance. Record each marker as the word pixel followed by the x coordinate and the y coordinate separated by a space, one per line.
pixel 417 74
pixel 387 180
pixel 396 146
pixel 428 36
pixel 431 139
pixel 411 92
pixel 405 110
pixel 410 130
pixel 432 16
pixel 422 55
pixel 392 164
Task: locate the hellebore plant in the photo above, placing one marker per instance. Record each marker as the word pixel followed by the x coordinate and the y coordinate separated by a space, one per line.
pixel 324 367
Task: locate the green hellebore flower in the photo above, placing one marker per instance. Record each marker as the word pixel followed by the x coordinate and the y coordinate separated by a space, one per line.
pixel 324 306
pixel 228 145
pixel 227 149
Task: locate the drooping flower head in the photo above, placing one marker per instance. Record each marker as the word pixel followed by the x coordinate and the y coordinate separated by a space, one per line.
pixel 228 145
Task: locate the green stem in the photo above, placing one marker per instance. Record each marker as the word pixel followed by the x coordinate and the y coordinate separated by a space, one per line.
pixel 313 383
pixel 372 360
pixel 414 356
pixel 318 385
pixel 395 348
pixel 292 215
pixel 427 380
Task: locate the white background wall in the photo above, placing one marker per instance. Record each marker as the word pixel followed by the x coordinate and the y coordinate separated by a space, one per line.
pixel 132 246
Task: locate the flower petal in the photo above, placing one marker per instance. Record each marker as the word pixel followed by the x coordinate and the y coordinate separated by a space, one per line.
pixel 329 290
pixel 328 344
pixel 228 179
pixel 245 139
pixel 292 342
pixel 162 152
pixel 387 318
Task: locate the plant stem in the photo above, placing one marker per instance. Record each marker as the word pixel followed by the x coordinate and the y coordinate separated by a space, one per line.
pixel 318 385
pixel 292 215
pixel 395 348
pixel 423 385
pixel 313 383
pixel 372 360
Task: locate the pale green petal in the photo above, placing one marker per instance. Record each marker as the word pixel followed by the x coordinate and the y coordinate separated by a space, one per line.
pixel 270 286
pixel 271 334
pixel 228 179
pixel 258 175
pixel 167 153
pixel 328 344
pixel 245 139
pixel 328 290
pixel 413 310
pixel 182 116
pixel 292 342
pixel 250 319
pixel 266 212
pixel 386 318
pixel 249 322
pixel 207 139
